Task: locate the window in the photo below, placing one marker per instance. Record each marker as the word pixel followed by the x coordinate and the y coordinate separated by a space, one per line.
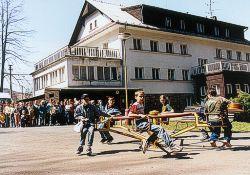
pixel 138 73
pixel 95 23
pixel 171 74
pixel 217 88
pixel 200 28
pixel 100 73
pixel 91 73
pixel 229 54
pixel 107 73
pixel 203 91
pixel 188 101
pixel 182 25
pixel 216 31
pixel 113 73
pixel 218 53
pixel 202 61
pixel 168 22
pixel 185 75
pixel 246 88
pixel 227 33
pixel 155 74
pixel 229 89
pixel 90 26
pixel 75 72
pixel 154 46
pixel 184 50
pixel 137 44
pixel 247 56
pixel 237 87
pixel 238 55
pixel 83 73
pixel 105 45
pixel 169 47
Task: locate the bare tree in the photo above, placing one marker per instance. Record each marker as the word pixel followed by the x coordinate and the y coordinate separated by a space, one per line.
pixel 13 34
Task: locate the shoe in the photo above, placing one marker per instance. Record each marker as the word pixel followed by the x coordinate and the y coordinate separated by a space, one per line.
pixel 213 144
pixel 144 146
pixel 226 144
pixel 204 138
pixel 79 150
pixel 103 140
pixel 110 140
pixel 174 148
pixel 89 151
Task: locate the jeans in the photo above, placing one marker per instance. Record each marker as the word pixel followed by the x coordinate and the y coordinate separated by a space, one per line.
pixel 87 129
pixel 104 134
pixel 7 120
pixel 227 126
pixel 12 121
pixel 41 120
pixel 158 132
pixel 67 117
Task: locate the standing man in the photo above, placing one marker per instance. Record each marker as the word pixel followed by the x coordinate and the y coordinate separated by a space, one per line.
pixel 216 109
pixel 88 115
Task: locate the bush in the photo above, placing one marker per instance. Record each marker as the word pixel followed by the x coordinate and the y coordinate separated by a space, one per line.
pixel 244 99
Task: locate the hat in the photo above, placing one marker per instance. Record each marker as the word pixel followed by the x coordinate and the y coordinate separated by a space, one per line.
pixel 84 96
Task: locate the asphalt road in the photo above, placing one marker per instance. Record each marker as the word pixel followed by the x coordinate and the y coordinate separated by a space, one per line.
pixel 51 150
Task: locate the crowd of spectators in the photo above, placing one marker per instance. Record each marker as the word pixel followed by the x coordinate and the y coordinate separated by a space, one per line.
pixel 37 113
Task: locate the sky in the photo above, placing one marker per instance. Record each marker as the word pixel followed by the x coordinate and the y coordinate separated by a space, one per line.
pixel 54 20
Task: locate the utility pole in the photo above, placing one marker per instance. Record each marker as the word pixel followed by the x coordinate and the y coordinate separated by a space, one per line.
pixel 10 69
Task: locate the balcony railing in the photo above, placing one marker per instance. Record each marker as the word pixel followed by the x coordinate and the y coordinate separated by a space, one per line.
pixel 219 67
pixel 81 51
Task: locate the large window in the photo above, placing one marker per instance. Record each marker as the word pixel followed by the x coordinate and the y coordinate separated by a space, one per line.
pixel 167 22
pixel 184 50
pixel 227 33
pixel 246 88
pixel 238 55
pixel 113 73
pixel 171 74
pixel 202 61
pixel 107 73
pixel 185 74
pixel 138 73
pixel 169 47
pixel 75 72
pixel 155 74
pixel 229 89
pixel 216 31
pixel 100 73
pixel 91 75
pixel 218 53
pixel 154 46
pixel 203 91
pixel 237 87
pixel 83 73
pixel 182 25
pixel 217 88
pixel 200 28
pixel 137 44
pixel 247 56
pixel 229 54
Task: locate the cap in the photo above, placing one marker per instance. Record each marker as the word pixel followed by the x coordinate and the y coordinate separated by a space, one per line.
pixel 84 96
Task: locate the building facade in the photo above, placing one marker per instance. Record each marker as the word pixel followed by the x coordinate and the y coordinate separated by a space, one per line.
pixel 171 53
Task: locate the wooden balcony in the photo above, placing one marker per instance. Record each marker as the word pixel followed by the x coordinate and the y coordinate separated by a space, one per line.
pixel 220 67
pixel 79 51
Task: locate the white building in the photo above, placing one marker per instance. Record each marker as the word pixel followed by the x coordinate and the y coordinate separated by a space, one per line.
pixel 165 51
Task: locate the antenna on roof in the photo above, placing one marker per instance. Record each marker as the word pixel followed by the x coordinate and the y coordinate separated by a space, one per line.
pixel 211 10
pixel 104 2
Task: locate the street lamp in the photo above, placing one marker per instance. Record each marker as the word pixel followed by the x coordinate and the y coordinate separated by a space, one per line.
pixel 124 37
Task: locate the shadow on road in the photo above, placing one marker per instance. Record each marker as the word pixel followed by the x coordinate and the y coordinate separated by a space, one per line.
pixel 176 156
pixel 241 148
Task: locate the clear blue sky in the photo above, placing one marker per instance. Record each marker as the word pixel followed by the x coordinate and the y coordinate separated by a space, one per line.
pixel 54 20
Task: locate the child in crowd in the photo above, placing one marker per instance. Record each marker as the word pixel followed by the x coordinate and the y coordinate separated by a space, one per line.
pixel 2 119
pixel 143 125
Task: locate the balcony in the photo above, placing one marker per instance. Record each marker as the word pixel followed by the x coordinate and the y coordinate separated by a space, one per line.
pixel 219 67
pixel 79 51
